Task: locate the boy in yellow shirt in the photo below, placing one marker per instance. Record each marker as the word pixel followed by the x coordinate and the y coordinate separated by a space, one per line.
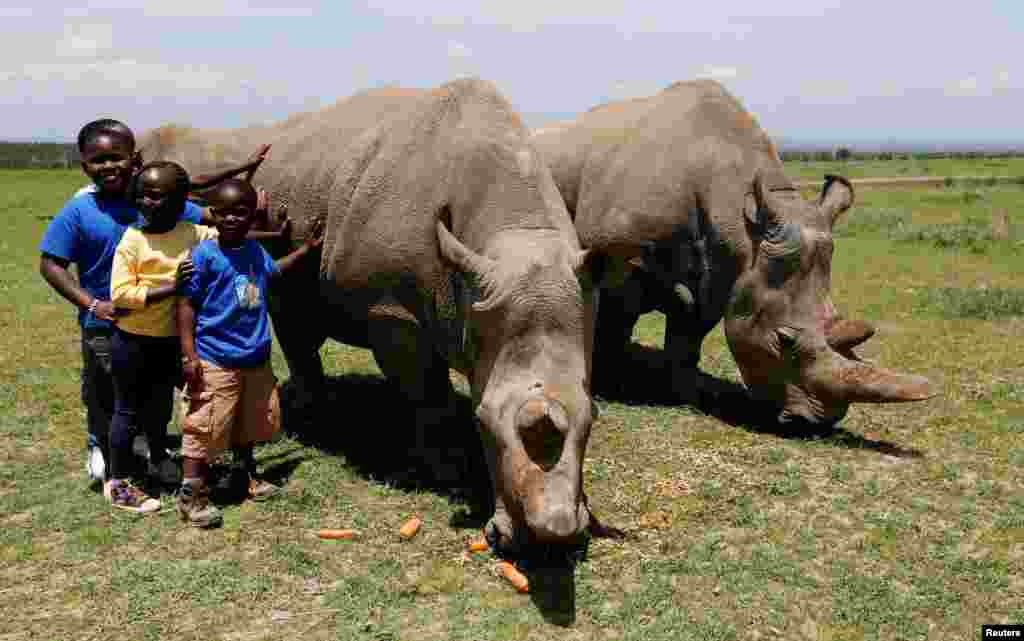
pixel 148 269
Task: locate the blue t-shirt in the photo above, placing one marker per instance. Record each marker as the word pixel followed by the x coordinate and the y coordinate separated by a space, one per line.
pixel 86 232
pixel 228 290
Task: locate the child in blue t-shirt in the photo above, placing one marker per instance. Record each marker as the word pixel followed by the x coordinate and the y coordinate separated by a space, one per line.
pixel 224 330
pixel 86 232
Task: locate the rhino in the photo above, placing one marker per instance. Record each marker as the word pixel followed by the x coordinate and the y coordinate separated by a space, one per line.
pixel 690 174
pixel 446 245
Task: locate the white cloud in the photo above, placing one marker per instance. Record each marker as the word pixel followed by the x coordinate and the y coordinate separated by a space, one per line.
pixel 964 87
pixel 1002 80
pixel 15 12
pixel 199 8
pixel 85 40
pixel 718 72
pixel 117 78
pixel 460 63
pixel 634 16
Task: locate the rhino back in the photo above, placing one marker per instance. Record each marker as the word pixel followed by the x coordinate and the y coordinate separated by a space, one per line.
pixel 637 169
pixel 459 152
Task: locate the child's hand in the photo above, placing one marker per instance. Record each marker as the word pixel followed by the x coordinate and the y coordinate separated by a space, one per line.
pixel 316 234
pixel 184 273
pixel 260 155
pixel 282 218
pixel 192 370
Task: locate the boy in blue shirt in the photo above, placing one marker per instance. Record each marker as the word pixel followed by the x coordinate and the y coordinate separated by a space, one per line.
pixel 224 330
pixel 86 232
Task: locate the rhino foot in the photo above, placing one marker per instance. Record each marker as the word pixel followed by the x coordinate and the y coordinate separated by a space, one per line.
pixel 599 530
pixel 501 534
pixel 689 386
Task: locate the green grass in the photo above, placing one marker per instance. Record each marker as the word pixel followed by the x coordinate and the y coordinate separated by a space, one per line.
pixel 907 523
pixel 942 167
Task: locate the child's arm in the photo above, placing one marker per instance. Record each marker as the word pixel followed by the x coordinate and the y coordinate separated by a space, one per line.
pixel 205 181
pixel 191 367
pixel 315 239
pixel 125 290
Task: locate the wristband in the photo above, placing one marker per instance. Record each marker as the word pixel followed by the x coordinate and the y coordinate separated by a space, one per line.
pixel 92 306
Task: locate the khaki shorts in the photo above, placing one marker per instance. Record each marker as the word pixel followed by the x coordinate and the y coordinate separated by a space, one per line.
pixel 236 407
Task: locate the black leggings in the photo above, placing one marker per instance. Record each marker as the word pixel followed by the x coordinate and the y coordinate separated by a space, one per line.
pixel 145 371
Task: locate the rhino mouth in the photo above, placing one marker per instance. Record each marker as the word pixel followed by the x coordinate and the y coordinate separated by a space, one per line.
pixel 819 384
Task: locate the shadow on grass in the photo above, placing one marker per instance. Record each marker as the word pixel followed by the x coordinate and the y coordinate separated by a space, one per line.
pixel 644 380
pixel 365 419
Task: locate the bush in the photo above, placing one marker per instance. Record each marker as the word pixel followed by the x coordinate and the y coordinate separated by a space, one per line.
pixel 980 304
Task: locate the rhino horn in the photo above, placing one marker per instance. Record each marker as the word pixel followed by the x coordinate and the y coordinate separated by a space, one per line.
pixel 855 382
pixel 461 256
pixel 843 334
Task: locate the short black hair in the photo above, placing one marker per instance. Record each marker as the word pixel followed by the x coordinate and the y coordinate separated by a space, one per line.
pixel 245 187
pixel 108 126
pixel 182 182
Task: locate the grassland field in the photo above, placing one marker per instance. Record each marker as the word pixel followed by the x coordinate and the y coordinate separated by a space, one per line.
pixel 906 522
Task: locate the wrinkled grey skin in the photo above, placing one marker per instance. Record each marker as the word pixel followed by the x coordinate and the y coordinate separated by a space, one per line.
pixel 446 244
pixel 691 175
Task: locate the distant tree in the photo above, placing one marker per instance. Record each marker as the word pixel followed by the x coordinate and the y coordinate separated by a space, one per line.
pixel 842 153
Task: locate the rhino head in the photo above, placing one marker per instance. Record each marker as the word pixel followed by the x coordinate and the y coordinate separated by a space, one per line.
pixel 791 348
pixel 532 335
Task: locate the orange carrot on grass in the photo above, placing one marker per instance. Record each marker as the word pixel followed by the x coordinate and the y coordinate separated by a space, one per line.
pixel 514 576
pixel 336 534
pixel 410 528
pixel 479 545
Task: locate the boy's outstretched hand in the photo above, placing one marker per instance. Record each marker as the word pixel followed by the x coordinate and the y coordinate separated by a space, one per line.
pixel 316 234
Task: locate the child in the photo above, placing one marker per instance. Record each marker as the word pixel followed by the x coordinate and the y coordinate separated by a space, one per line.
pixel 225 343
pixel 149 267
pixel 86 232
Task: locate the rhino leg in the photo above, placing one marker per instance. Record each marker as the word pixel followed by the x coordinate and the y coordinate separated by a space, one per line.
pixel 300 326
pixel 616 316
pixel 684 335
pixel 406 356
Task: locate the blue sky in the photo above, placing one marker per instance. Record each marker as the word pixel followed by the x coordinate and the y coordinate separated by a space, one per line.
pixel 841 71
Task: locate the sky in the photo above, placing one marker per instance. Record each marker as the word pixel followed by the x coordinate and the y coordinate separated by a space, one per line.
pixel 833 71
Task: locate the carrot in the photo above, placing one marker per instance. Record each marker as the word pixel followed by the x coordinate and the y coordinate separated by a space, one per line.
pixel 514 576
pixel 479 546
pixel 410 528
pixel 336 534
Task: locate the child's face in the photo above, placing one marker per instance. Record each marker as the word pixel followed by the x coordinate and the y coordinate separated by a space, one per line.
pixel 233 214
pixel 107 161
pixel 156 197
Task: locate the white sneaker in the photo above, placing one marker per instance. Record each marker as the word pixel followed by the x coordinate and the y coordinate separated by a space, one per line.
pixel 95 466
pixel 166 471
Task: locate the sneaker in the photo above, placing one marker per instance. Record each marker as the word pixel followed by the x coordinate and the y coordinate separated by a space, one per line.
pixel 140 446
pixel 95 466
pixel 194 505
pixel 260 490
pixel 125 496
pixel 166 472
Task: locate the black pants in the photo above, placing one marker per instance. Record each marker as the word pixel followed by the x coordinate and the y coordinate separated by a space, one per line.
pixel 146 370
pixel 97 387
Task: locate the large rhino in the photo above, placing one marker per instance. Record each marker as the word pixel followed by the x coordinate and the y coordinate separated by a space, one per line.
pixel 690 172
pixel 447 244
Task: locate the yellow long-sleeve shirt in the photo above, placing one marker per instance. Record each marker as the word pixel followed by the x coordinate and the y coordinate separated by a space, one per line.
pixel 146 260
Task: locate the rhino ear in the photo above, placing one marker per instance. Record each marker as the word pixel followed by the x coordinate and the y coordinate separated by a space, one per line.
pixel 590 262
pixel 836 198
